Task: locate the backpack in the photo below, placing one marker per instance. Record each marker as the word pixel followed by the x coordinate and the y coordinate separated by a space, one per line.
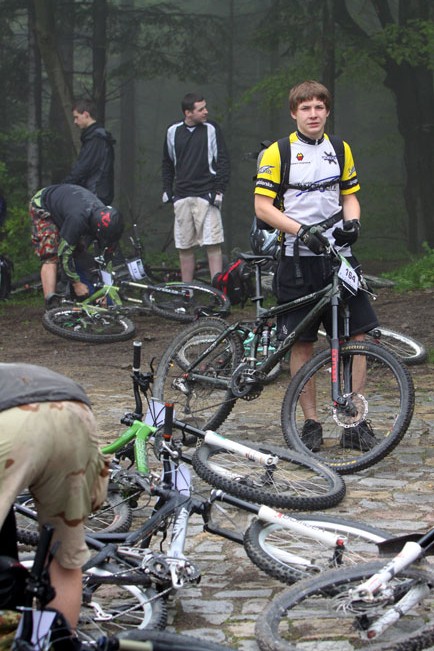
pixel 285 164
pixel 6 267
pixel 236 282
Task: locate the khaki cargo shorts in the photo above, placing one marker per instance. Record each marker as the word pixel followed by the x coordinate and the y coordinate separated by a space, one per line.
pixel 197 223
pixel 52 449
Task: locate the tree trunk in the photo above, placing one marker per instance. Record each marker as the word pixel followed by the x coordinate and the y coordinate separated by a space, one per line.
pixel 99 12
pixel 128 135
pixel 34 110
pixel 328 51
pixel 45 34
pixel 413 90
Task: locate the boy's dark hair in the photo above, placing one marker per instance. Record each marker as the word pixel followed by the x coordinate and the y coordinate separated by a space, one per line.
pixel 83 104
pixel 190 100
pixel 307 90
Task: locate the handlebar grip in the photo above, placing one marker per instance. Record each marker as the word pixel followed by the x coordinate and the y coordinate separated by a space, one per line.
pixel 137 354
pixel 168 419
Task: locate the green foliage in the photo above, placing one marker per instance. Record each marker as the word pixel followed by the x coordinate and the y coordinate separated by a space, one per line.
pixel 412 43
pixel 15 239
pixel 418 274
pixel 274 88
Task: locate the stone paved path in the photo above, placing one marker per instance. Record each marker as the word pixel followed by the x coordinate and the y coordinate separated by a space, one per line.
pixel 395 495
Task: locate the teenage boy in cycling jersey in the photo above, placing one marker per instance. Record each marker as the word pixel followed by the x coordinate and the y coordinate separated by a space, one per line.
pixel 48 444
pixel 318 189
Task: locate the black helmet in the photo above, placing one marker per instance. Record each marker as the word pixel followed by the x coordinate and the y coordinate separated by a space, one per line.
pixel 106 224
pixel 263 242
pixel 13 577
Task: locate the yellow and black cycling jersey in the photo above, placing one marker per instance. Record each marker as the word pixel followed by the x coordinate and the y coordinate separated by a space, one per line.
pixel 316 181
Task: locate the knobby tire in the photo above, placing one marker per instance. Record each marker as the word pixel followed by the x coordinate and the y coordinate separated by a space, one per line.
pixel 289 556
pixel 165 640
pixel 314 610
pixel 197 297
pixel 100 328
pixel 297 482
pixel 386 401
pixel 200 402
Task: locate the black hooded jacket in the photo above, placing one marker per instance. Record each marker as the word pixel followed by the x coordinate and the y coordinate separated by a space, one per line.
pixel 94 168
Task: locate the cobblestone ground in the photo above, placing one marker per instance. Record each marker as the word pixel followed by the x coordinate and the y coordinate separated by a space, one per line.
pixel 396 494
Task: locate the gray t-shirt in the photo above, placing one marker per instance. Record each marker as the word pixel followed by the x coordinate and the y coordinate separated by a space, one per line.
pixel 21 384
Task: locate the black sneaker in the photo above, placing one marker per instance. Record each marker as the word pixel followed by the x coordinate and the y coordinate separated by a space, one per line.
pixel 361 437
pixel 311 435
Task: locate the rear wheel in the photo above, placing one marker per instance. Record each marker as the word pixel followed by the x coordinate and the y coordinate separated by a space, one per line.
pixel 197 381
pixel 98 327
pixel 121 598
pixel 185 301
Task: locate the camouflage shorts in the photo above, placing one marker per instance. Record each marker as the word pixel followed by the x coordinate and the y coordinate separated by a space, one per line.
pixel 45 233
pixel 52 449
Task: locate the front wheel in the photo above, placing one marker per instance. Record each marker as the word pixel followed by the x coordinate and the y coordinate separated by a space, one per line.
pixel 380 392
pixel 195 372
pixel 323 610
pixel 102 326
pixel 293 482
pixel 288 554
pixel 185 301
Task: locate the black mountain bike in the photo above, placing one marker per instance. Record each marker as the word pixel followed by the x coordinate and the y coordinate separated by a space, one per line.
pixel 205 370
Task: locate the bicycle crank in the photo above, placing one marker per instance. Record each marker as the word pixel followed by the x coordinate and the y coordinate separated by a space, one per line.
pixel 244 382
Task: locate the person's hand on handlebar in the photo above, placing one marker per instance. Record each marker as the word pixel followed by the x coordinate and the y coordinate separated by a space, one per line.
pixel 313 238
pixel 80 290
pixel 348 234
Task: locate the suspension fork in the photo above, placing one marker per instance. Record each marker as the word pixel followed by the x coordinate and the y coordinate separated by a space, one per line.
pixel 341 387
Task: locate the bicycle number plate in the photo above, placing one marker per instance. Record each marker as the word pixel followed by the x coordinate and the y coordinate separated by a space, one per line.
pixel 106 278
pixel 155 414
pixel 136 269
pixel 348 276
pixel 41 631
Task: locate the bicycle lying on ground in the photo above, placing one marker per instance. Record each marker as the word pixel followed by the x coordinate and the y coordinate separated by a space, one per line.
pixel 206 370
pixel 260 473
pixel 40 628
pixel 369 606
pixel 126 579
pixel 103 317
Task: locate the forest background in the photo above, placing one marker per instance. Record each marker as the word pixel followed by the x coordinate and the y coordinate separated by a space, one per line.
pixel 137 58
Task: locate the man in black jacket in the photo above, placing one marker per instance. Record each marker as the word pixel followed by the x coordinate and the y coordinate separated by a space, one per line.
pixel 196 172
pixel 65 219
pixel 94 168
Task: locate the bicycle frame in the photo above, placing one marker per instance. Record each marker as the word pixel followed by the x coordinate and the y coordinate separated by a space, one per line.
pixel 331 295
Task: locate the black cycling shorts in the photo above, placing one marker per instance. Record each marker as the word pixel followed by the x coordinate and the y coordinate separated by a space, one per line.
pixel 316 273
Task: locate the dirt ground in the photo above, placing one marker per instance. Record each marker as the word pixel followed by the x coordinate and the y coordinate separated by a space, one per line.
pixel 104 369
pixel 396 493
